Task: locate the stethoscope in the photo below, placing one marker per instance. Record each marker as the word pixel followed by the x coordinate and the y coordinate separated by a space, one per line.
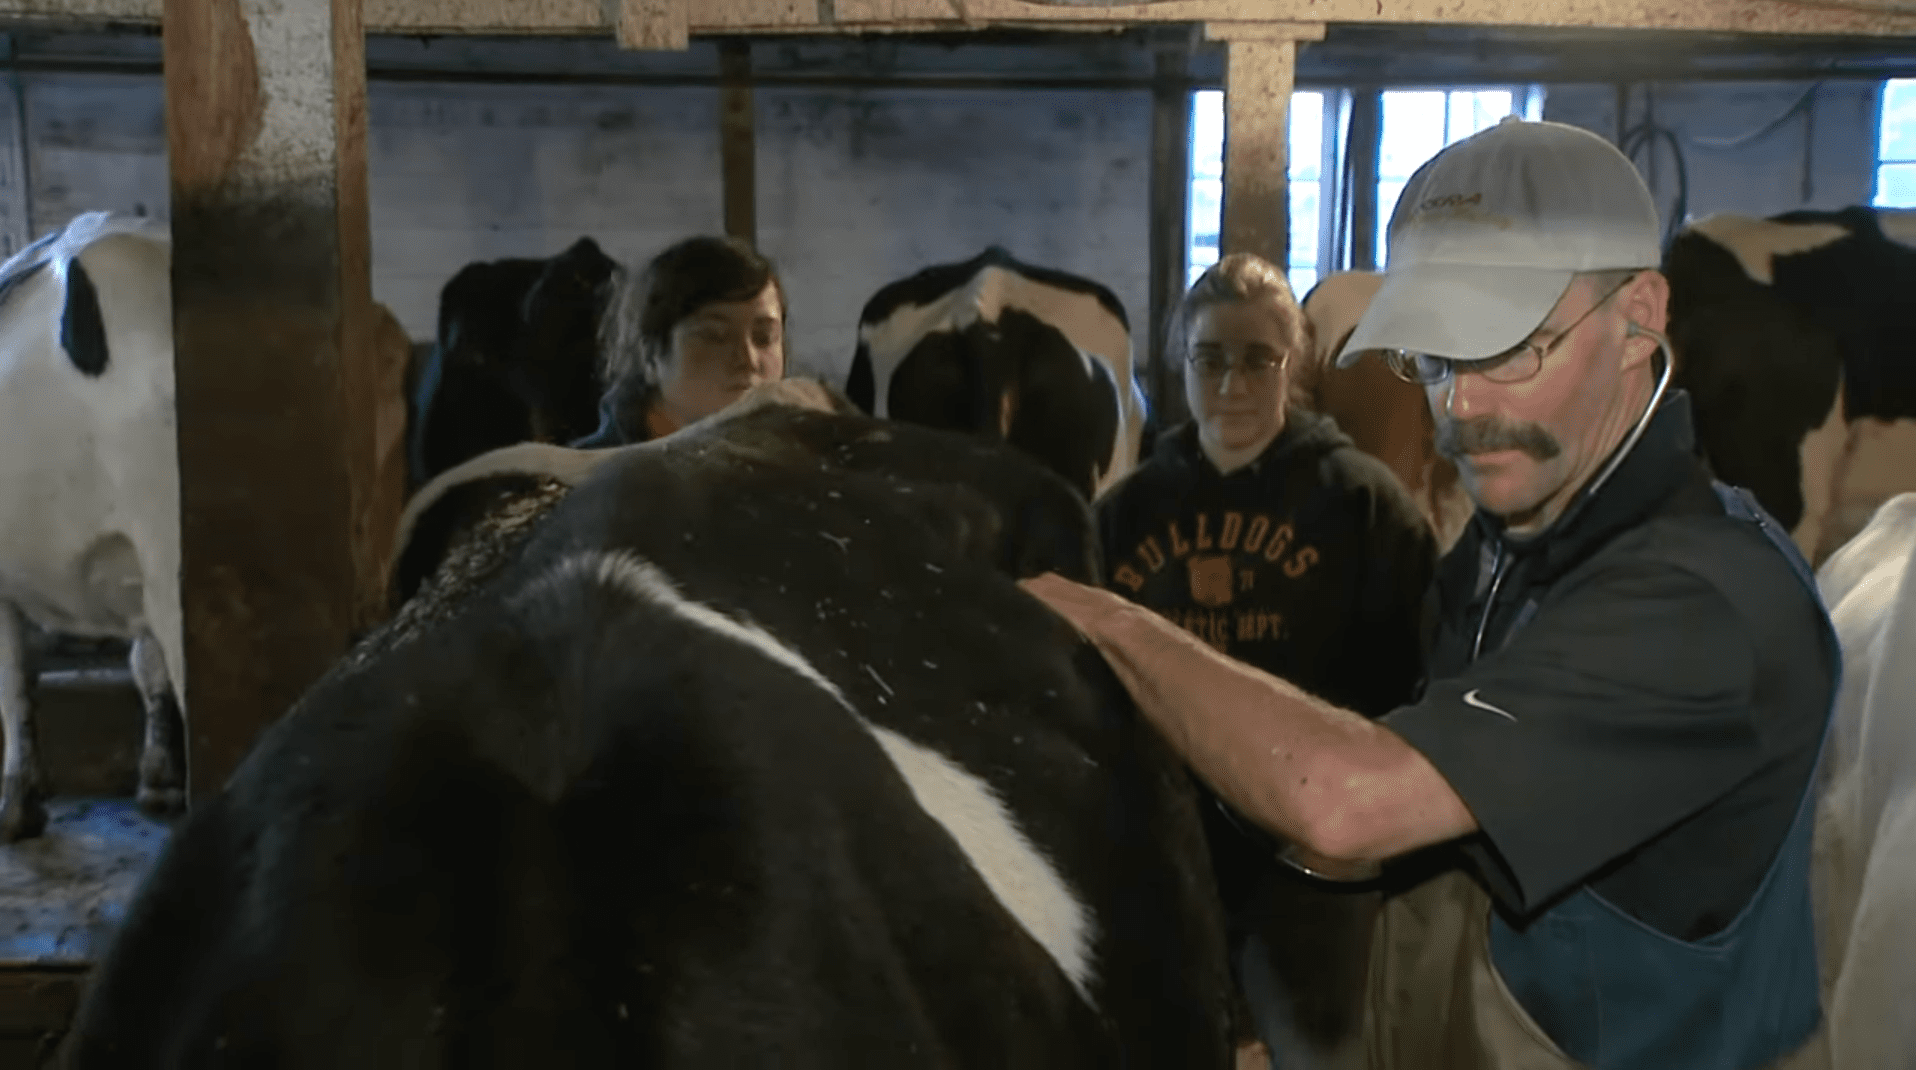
pixel 1596 484
pixel 1288 853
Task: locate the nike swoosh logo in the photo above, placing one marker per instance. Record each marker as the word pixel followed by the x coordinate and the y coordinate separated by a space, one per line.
pixel 1471 699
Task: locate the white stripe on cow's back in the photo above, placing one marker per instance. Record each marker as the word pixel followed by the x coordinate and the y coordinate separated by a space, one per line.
pixel 1757 242
pixel 1101 339
pixel 1899 224
pixel 1024 881
pixel 1080 317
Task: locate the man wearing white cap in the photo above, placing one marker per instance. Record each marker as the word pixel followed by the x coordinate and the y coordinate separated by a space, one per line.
pixel 1592 828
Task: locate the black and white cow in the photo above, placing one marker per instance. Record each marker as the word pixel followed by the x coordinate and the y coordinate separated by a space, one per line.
pixel 89 484
pixel 516 359
pixel 1032 356
pixel 747 750
pixel 1796 338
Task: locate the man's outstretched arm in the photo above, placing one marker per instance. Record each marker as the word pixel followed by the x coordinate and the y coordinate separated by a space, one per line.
pixel 1346 791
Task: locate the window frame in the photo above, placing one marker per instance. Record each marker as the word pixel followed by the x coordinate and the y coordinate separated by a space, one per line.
pixel 1526 99
pixel 1327 160
pixel 1876 198
pixel 1335 187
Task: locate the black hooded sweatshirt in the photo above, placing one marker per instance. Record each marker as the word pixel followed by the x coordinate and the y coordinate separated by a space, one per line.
pixel 1311 562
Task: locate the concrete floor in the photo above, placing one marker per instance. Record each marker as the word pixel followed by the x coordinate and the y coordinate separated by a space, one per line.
pixel 63 893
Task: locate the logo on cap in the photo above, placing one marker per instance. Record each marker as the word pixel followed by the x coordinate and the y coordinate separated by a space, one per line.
pixel 1451 200
pixel 1461 207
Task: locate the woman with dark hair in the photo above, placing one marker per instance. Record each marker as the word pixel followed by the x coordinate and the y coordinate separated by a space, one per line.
pixel 701 325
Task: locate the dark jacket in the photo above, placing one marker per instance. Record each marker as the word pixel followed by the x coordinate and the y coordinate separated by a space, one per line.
pixel 1644 710
pixel 1310 563
pixel 621 415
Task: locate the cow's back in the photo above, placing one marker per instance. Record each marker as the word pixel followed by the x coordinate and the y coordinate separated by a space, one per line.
pixel 1034 356
pixel 754 753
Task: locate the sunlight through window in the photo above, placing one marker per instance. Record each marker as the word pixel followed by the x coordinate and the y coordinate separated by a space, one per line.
pixel 1207 183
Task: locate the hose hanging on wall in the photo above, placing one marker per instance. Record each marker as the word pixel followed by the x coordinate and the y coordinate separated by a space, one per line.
pixel 1808 188
pixel 1644 138
pixel 1805 105
pixel 1801 103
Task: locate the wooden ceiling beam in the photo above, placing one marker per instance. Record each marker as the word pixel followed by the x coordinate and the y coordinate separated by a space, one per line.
pixel 657 20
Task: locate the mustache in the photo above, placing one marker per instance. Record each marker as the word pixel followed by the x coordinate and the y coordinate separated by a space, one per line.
pixel 1456 439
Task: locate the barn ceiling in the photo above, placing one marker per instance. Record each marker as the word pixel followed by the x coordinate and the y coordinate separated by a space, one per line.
pixel 1349 55
pixel 664 23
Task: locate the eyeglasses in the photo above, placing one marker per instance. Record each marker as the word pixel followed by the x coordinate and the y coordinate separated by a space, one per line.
pixel 1211 364
pixel 1518 365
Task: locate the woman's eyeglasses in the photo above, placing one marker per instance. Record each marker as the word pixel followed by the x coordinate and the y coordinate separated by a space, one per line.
pixel 1518 365
pixel 1212 364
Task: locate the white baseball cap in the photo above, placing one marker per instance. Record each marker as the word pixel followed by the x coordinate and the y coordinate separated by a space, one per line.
pixel 1489 233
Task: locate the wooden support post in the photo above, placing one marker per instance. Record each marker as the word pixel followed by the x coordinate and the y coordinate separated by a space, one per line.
pixel 272 318
pixel 1170 229
pixel 1259 74
pixel 738 149
pixel 652 24
pixel 1365 149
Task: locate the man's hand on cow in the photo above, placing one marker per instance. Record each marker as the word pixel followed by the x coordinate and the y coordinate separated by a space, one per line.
pixel 1134 642
pixel 1263 744
pixel 1092 610
pixel 1123 631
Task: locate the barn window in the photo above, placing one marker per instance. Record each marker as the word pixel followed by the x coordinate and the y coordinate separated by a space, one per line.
pixel 1411 124
pixel 1896 146
pixel 1417 123
pixel 1207 183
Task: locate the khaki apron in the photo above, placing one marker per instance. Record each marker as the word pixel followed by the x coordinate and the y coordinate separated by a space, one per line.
pixel 1436 1001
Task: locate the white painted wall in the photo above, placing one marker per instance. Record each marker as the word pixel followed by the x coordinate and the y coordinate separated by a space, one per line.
pixel 465 172
pixel 94 141
pixel 859 189
pixel 855 189
pixel 1764 176
pixel 456 172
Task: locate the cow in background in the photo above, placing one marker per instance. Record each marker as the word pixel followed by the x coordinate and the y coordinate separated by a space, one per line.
pixel 89 485
pixel 661 791
pixel 1032 356
pixel 1385 416
pixel 1796 339
pixel 516 358
pixel 1864 867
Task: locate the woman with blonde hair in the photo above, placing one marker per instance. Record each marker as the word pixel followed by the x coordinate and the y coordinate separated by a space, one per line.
pixel 1262 529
